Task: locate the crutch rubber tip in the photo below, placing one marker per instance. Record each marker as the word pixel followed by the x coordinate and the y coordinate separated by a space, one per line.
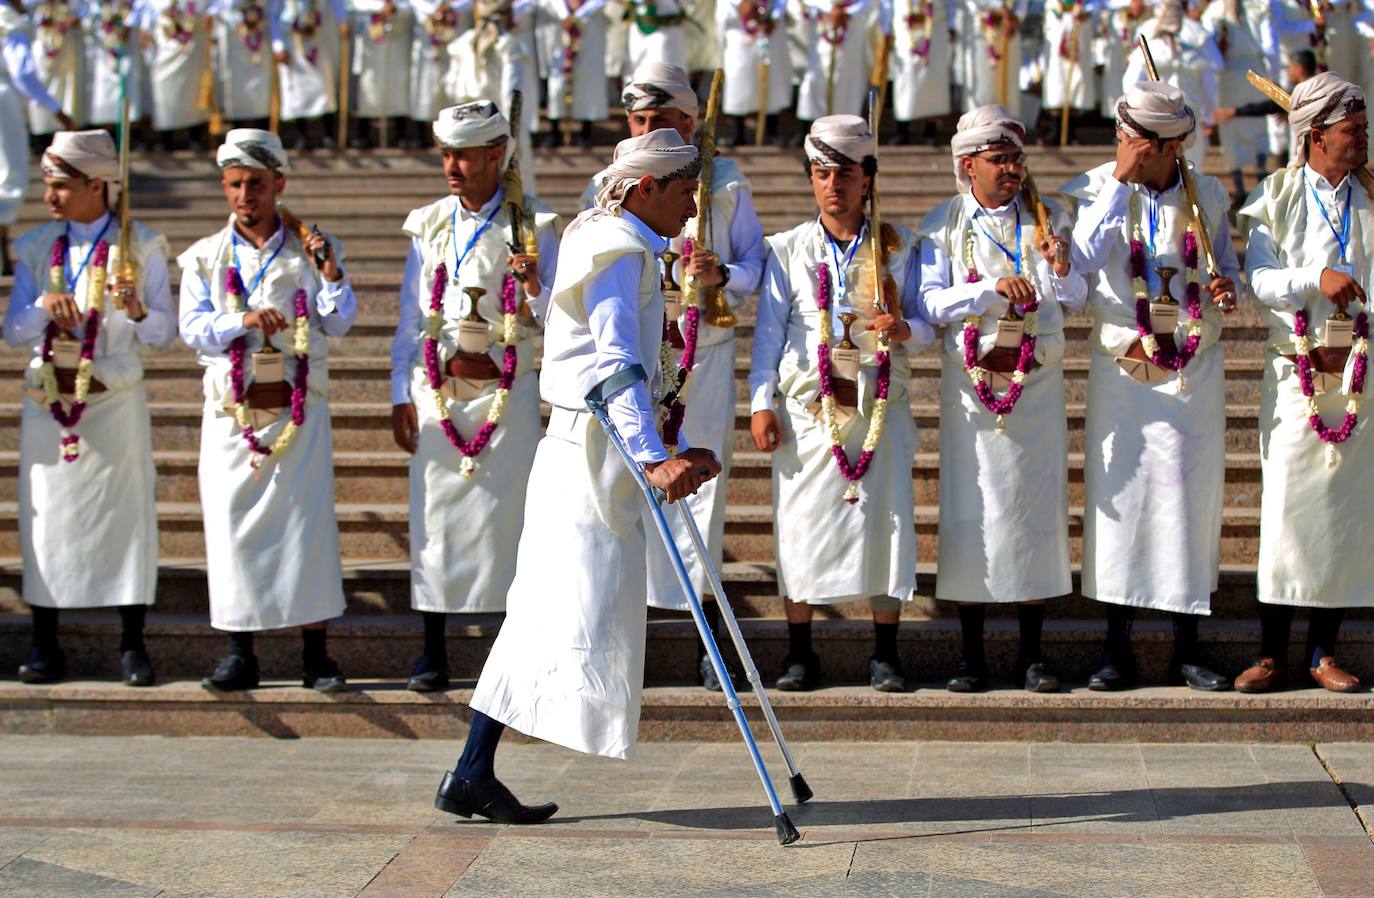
pixel 787 833
pixel 800 790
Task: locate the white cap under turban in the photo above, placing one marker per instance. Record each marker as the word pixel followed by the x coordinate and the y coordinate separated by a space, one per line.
pixel 657 84
pixel 471 123
pixel 90 153
pixel 661 154
pixel 251 148
pixel 980 129
pixel 1158 111
pixel 1319 102
pixel 836 140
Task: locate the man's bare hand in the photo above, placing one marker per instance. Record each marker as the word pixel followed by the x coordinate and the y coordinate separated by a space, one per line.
pixel 682 476
pixel 63 309
pixel 1341 288
pixel 269 321
pixel 405 426
pixel 1016 290
pixel 134 308
pixel 896 328
pixel 1130 158
pixel 527 267
pixel 766 431
pixel 1055 250
pixel 1223 291
pixel 705 267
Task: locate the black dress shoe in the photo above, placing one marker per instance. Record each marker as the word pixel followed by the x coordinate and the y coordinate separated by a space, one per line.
pixel 1112 677
pixel 800 675
pixel 324 677
pixel 136 668
pixel 45 665
pixel 428 676
pixel 1037 676
pixel 968 678
pixel 886 676
pixel 1195 676
pixel 706 674
pixel 488 798
pixel 235 673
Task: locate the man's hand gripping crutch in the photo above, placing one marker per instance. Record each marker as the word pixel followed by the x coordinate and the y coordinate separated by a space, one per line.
pixel 673 481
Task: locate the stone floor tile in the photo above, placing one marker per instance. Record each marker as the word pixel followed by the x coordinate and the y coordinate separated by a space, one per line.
pixel 36 879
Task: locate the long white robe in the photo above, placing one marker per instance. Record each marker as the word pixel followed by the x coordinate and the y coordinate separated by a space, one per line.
pixel 1191 63
pixel 1117 30
pixel 588 66
pixel 921 59
pixel 709 419
pixel 19 86
pixel 243 56
pixel 662 43
pixel 177 66
pixel 1004 529
pixel 271 535
pixel 464 530
pixel 88 528
pixel 1315 531
pixel 381 59
pixel 987 69
pixel 310 78
pixel 742 54
pixel 1068 57
pixel 847 61
pixel 1242 139
pixel 829 550
pixel 437 26
pixel 1155 454
pixel 60 58
pixel 568 665
pixel 103 66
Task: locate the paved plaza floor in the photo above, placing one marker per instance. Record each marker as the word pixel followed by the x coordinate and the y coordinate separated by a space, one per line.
pixel 157 817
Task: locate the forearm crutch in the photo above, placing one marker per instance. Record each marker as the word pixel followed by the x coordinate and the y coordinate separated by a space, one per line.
pixel 597 403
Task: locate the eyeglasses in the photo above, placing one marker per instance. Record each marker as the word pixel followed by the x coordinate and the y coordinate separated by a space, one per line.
pixel 1002 159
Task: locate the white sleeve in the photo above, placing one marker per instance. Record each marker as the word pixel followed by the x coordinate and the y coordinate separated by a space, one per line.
pixel 770 335
pixel 160 326
pixel 943 302
pixel 747 246
pixel 1272 284
pixel 405 343
pixel 1098 226
pixel 18 56
pixel 25 317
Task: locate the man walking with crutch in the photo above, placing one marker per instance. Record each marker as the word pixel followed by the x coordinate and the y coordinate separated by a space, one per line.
pixel 568 664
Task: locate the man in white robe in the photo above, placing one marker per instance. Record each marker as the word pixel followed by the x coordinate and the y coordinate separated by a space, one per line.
pixel 1118 23
pixel 754 35
pixel 467 503
pixel 1004 490
pixel 1237 28
pixel 87 516
pixel 572 35
pixel 307 53
pixel 995 56
pixel 1187 58
pixel 179 64
pixel 1155 442
pixel 1068 64
pixel 568 665
pixel 438 23
pixel 1309 273
pixel 381 70
pixel 921 65
pixel 837 63
pixel 245 33
pixel 19 86
pixel 490 60
pixel 842 535
pixel 112 41
pixel 60 61
pixel 266 477
pixel 658 32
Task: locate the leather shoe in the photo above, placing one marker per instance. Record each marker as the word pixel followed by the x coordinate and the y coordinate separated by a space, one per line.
pixel 706 674
pixel 45 665
pixel 1262 676
pixel 1195 676
pixel 886 676
pixel 325 677
pixel 1112 677
pixel 800 675
pixel 137 668
pixel 1329 675
pixel 427 676
pixel 1036 676
pixel 968 678
pixel 488 798
pixel 235 673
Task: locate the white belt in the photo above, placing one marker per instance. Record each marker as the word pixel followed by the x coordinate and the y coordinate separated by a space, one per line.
pixel 569 425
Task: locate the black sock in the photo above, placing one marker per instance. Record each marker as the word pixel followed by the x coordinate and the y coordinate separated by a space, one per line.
pixel 1276 626
pixel 971 619
pixel 435 646
pixel 44 627
pixel 885 642
pixel 711 611
pixel 132 617
pixel 1185 637
pixel 478 761
pixel 241 644
pixel 1120 620
pixel 1323 626
pixel 312 646
pixel 1031 619
pixel 799 641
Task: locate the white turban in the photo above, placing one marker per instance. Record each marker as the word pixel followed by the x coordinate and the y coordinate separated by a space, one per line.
pixel 836 140
pixel 1156 110
pixel 470 123
pixel 657 84
pixel 251 148
pixel 662 155
pixel 1319 102
pixel 91 153
pixel 980 129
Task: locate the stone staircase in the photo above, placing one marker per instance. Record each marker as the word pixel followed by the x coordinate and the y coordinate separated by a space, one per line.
pixel 363 198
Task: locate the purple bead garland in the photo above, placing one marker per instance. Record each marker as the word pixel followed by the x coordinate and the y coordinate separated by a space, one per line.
pixel 69 418
pixel 860 467
pixel 1007 404
pixel 1326 434
pixel 238 350
pixel 1178 360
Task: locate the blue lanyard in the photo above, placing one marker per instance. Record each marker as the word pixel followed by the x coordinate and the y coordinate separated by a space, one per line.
pixel 262 272
pixel 1014 258
pixel 67 263
pixel 1153 214
pixel 1342 236
pixel 472 241
pixel 842 264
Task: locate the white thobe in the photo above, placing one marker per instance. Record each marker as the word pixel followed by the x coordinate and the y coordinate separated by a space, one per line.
pixel 243 55
pixel 464 529
pixel 88 528
pixel 921 59
pixel 1191 64
pixel 648 42
pixel 19 86
pixel 179 62
pixel 308 34
pixel 437 25
pixel 1068 56
pixel 59 57
pixel 743 54
pixel 1117 29
pixel 1243 140
pixel 829 550
pixel 568 664
pixel 1155 455
pixel 837 69
pixel 1004 529
pixel 271 534
pixel 103 65
pixel 987 68
pixel 1315 531
pixel 584 74
pixel 381 59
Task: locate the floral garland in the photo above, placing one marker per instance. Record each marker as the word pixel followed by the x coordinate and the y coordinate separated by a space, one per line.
pixel 924 23
pixel 992 22
pixel 979 375
pixel 831 32
pixel 855 472
pixel 178 27
pixel 250 30
pixel 379 23
pixel 759 25
pixel 300 346
pixel 433 329
pixel 112 31
pixel 304 26
pixel 677 397
pixel 1178 360
pixel 55 19
pixel 572 41
pixel 1332 438
pixel 67 419
pixel 442 27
